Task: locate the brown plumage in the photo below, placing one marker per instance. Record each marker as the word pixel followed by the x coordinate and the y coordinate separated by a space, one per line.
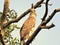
pixel 28 26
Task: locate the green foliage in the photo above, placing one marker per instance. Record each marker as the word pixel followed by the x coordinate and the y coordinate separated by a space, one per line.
pixel 0 17
pixel 12 41
pixel 12 14
pixel 0 43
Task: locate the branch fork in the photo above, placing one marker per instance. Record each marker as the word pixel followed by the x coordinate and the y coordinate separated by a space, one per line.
pixel 47 27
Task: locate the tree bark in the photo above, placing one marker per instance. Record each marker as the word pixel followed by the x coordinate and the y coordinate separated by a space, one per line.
pixel 3 20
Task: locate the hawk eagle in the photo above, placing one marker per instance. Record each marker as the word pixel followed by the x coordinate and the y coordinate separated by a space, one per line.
pixel 28 26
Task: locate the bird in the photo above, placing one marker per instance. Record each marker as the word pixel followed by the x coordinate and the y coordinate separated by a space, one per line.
pixel 28 26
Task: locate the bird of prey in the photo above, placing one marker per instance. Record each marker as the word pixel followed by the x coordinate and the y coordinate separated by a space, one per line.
pixel 28 27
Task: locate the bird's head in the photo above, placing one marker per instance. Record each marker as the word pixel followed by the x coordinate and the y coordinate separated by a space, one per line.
pixel 32 10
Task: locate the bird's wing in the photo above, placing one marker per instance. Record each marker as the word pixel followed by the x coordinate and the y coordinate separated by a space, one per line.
pixel 27 26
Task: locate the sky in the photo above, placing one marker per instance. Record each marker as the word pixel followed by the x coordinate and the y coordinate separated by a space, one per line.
pixel 45 36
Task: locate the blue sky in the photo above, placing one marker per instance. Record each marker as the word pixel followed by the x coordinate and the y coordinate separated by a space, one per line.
pixel 45 36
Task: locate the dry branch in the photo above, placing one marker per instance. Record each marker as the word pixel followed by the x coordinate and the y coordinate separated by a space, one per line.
pixel 46 11
pixel 47 27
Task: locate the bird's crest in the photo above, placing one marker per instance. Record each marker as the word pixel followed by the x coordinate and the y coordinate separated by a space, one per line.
pixel 32 6
pixel 32 10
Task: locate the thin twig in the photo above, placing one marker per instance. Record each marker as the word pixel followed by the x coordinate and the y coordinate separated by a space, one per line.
pixel 48 4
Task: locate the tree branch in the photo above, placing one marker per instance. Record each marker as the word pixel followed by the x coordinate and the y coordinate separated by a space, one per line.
pixel 5 10
pixel 47 27
pixel 1 39
pixel 53 13
pixel 23 14
pixel 3 19
pixel 48 4
pixel 46 11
